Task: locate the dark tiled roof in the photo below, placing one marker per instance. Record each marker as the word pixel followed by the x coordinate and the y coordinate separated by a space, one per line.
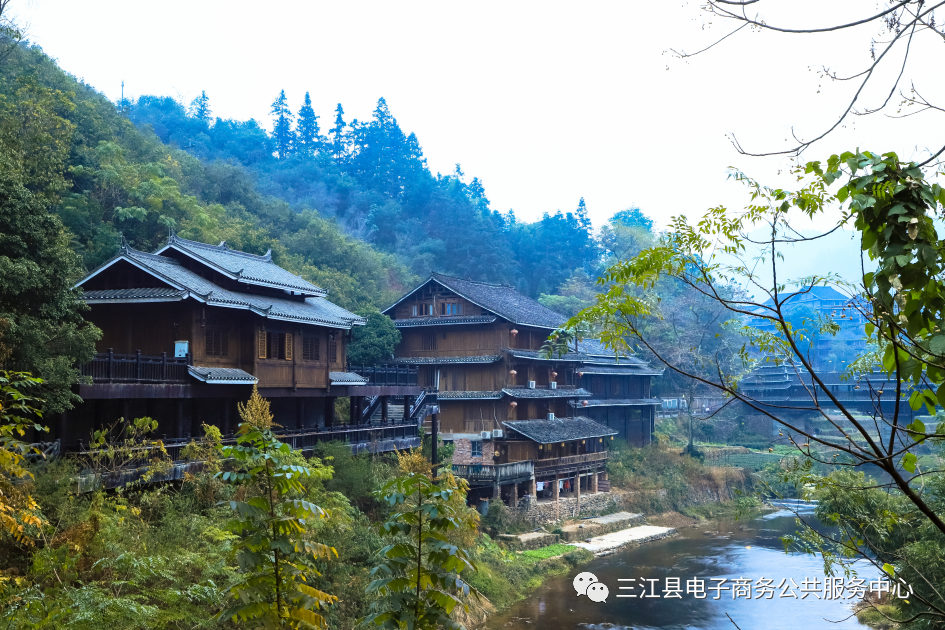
pixel 629 370
pixel 219 375
pixel 501 299
pixel 486 358
pixel 538 356
pixel 247 268
pixel 147 293
pixel 546 393
pixel 346 378
pixel 311 310
pixel 559 429
pixel 483 395
pixel 618 402
pixel 448 320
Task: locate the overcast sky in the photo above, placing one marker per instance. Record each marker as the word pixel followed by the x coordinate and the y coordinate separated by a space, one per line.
pixel 546 102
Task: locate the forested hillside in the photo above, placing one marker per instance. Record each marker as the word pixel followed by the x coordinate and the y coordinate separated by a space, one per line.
pixel 372 178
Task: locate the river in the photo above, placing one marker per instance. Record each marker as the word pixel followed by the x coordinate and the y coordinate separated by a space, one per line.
pixel 747 548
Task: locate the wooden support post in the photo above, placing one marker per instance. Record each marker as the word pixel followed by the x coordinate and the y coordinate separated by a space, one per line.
pixel 385 403
pixel 577 491
pixel 496 491
pixel 63 431
pixel 555 494
pixel 355 408
pixel 227 415
pixel 594 482
pixel 436 438
pixel 533 487
pixel 513 497
pixel 329 412
pixel 179 420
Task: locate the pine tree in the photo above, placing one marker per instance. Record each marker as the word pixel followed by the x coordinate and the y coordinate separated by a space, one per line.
pixel 584 221
pixel 337 133
pixel 200 108
pixel 282 127
pixel 307 138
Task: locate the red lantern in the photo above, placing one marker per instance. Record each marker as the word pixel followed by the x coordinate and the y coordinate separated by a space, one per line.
pixel 513 332
pixel 512 373
pixel 513 404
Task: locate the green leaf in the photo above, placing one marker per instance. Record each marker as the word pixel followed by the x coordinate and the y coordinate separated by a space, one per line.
pixel 909 461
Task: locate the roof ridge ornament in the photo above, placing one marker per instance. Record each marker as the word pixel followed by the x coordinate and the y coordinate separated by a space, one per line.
pixel 268 255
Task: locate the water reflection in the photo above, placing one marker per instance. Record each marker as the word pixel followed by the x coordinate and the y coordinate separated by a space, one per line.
pixel 727 549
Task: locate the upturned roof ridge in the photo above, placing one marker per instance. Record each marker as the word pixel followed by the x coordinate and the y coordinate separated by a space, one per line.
pixel 222 247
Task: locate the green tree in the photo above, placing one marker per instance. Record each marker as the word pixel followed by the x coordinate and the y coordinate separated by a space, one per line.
pixel 274 551
pixel 46 333
pixel 282 126
pixel 339 137
pixel 19 413
pixel 891 205
pixel 418 584
pixel 374 341
pixel 200 108
pixel 307 138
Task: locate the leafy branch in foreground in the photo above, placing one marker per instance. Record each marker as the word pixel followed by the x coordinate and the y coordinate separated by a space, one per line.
pixel 17 508
pixel 891 205
pixel 418 584
pixel 273 551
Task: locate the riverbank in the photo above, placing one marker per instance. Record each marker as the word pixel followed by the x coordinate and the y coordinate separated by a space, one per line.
pixel 749 547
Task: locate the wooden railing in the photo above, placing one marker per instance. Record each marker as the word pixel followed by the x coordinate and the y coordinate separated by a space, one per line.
pixel 304 439
pixel 109 367
pixel 571 460
pixel 498 473
pixel 387 374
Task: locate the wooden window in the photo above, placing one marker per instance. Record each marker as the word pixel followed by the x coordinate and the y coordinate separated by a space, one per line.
pixel 449 308
pixel 218 342
pixel 413 310
pixel 476 446
pixel 277 346
pixel 332 349
pixel 311 348
pixel 428 342
pixel 262 345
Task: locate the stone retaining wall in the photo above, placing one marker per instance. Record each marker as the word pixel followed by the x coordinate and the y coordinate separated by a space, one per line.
pixel 590 529
pixel 528 541
pixel 550 512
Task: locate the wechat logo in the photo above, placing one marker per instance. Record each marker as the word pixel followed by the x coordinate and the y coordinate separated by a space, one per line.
pixel 587 584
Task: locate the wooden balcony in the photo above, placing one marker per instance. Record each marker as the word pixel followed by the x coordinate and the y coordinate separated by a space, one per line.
pixel 489 474
pixel 109 367
pixel 375 438
pixel 570 463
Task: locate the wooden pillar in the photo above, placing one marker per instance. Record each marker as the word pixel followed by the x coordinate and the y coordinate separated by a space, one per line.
pixel 577 491
pixel 227 415
pixel 513 498
pixel 496 492
pixel 594 482
pixel 63 431
pixel 179 419
pixel 355 408
pixel 533 487
pixel 329 411
pixel 554 489
pixel 436 438
pixel 385 402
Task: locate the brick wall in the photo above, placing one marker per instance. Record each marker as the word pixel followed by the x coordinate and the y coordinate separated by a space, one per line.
pixel 462 454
